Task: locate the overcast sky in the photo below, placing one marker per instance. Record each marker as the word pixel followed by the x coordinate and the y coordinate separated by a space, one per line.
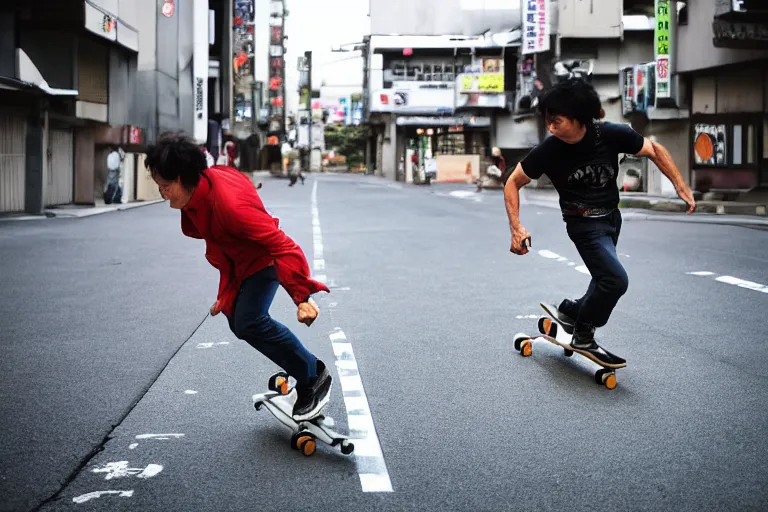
pixel 319 25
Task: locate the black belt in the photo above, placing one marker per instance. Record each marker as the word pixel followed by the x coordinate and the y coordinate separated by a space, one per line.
pixel 587 212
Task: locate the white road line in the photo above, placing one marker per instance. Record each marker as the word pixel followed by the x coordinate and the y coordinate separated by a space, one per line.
pixel 369 459
pixel 546 253
pixel 741 283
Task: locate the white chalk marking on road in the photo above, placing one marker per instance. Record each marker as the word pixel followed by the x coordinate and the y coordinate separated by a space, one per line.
pixel 571 264
pixel 132 446
pixel 583 269
pixel 701 273
pixel 562 258
pixel 549 254
pixel 521 317
pixel 369 458
pixel 159 436
pixel 211 344
pixel 98 494
pixel 321 277
pixel 120 469
pixel 319 265
pixel 190 392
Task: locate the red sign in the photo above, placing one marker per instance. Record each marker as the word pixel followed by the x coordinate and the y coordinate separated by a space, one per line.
pixel 169 7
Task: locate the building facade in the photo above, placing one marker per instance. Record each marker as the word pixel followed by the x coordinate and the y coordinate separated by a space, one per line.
pixel 704 95
pixel 66 71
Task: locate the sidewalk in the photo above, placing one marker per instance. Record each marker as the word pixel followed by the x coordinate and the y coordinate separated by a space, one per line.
pixel 667 208
pixel 635 200
pixel 76 211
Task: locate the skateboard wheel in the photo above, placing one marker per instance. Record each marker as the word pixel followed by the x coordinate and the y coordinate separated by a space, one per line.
pixel 519 339
pixel 347 447
pixel 606 378
pixel 257 405
pixel 568 353
pixel 526 348
pixel 307 445
pixel 279 383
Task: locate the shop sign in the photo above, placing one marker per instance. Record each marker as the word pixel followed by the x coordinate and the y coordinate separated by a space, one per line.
pixel 489 83
pixel 662 51
pixel 709 144
pixel 535 26
pixel 169 7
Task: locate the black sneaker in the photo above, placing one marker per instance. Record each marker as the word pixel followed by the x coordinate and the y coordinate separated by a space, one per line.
pixel 312 397
pixel 584 339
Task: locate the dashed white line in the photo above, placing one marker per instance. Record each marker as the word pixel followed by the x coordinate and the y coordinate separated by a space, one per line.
pixel 741 283
pixel 369 459
pixel 546 253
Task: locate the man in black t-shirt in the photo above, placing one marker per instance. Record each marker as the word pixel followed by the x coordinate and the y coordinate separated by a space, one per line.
pixel 581 160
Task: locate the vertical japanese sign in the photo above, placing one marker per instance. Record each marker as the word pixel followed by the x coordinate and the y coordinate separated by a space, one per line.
pixel 662 51
pixel 535 26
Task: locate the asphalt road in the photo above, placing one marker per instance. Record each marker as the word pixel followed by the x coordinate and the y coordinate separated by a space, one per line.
pixel 108 384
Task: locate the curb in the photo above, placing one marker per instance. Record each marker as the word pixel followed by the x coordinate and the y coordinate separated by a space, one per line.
pixel 65 213
pixel 701 207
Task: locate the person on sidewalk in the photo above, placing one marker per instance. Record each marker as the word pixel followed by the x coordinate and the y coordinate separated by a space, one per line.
pixel 581 160
pixel 253 255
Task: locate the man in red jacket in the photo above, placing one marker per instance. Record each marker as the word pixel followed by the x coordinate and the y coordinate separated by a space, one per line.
pixel 253 255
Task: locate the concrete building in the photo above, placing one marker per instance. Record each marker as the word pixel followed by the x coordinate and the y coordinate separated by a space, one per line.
pixel 66 71
pixel 79 78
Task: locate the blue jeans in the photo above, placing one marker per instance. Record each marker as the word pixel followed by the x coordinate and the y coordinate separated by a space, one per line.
pixel 596 239
pixel 250 321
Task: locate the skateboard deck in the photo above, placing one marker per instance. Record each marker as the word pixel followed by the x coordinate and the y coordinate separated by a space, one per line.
pixel 554 332
pixel 280 400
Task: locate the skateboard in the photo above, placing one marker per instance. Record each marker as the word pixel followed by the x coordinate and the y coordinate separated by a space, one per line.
pixel 279 401
pixel 553 331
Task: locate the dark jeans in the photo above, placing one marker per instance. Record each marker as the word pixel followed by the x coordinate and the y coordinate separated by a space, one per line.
pixel 596 239
pixel 251 322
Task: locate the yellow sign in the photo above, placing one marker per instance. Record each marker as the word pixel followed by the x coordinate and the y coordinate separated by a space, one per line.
pixel 490 82
pixel 483 82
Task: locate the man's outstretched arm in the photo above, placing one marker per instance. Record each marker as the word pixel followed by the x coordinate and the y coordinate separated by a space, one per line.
pixel 663 160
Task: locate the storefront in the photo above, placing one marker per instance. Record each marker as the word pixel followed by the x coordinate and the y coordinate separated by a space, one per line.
pixel 728 138
pixel 455 147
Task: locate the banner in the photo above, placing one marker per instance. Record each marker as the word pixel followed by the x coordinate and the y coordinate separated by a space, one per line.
pixel 535 26
pixel 200 70
pixel 662 52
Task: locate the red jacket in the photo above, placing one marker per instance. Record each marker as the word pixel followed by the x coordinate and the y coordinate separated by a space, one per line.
pixel 241 237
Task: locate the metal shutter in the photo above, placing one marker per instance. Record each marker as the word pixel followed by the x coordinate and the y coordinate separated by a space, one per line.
pixel 60 172
pixel 12 162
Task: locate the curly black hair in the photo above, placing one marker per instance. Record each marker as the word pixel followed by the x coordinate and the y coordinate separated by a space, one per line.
pixel 573 98
pixel 176 155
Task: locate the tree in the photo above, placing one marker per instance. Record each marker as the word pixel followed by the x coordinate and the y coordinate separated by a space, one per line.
pixel 347 140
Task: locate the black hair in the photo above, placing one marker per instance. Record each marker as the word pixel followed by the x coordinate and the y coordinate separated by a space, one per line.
pixel 573 98
pixel 175 155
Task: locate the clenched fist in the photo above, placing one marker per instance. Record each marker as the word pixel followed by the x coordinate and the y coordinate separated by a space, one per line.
pixel 307 312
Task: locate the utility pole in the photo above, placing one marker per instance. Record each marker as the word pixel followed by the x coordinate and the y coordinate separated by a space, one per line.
pixel 308 60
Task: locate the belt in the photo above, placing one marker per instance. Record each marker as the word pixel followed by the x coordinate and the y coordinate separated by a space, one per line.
pixel 587 212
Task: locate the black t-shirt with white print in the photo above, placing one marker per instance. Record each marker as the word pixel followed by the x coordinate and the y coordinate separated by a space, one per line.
pixel 584 174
